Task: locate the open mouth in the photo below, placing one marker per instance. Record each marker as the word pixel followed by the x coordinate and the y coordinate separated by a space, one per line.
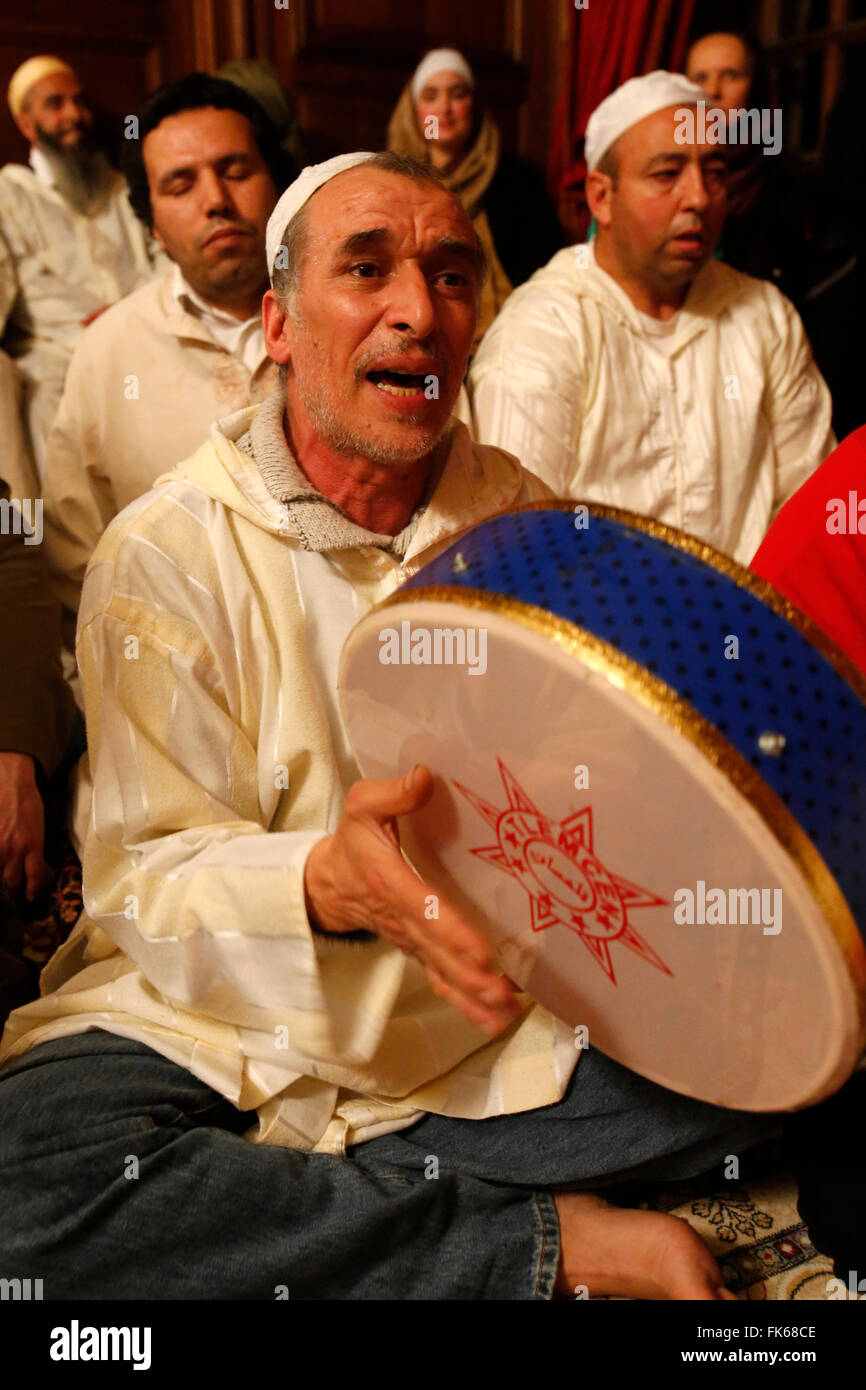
pixel 690 238
pixel 399 383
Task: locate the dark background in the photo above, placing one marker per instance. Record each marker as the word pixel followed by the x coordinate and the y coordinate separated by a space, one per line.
pixel 345 61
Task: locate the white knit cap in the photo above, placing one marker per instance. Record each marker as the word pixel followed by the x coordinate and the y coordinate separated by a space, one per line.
pixel 630 103
pixel 297 193
pixel 31 72
pixel 440 60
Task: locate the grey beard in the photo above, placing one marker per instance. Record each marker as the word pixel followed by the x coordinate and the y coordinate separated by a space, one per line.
pixel 81 176
pixel 351 444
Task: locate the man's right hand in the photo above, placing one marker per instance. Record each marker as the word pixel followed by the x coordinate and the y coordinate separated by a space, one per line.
pixel 358 879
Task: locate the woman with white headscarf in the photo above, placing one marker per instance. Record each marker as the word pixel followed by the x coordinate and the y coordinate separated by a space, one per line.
pixel 439 121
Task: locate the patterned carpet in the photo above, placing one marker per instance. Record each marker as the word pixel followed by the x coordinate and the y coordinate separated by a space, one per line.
pixel 755 1233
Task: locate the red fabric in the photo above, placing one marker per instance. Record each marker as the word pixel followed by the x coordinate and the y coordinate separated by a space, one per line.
pixel 821 571
pixel 610 41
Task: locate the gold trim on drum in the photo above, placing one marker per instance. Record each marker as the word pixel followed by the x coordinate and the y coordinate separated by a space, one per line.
pixel 744 578
pixel 628 675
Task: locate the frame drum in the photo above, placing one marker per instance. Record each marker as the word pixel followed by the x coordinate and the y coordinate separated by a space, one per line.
pixel 650 792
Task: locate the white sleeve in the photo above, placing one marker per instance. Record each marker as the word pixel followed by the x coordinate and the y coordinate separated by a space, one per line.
pixel 527 387
pixel 180 868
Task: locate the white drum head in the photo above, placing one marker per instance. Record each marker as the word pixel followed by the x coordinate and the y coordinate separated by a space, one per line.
pixel 606 855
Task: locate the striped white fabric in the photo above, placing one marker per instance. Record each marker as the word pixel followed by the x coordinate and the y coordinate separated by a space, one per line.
pixel 712 435
pixel 208 645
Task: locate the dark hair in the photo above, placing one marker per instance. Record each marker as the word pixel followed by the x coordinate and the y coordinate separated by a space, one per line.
pixel 192 93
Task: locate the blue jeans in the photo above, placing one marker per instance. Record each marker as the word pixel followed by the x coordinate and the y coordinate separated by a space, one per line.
pixel 122 1176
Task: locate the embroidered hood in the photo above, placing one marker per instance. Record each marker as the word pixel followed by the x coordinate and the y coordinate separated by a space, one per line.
pixel 476 480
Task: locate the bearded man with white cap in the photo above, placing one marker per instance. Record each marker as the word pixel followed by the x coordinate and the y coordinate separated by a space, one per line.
pixel 638 371
pixel 70 244
pixel 256 957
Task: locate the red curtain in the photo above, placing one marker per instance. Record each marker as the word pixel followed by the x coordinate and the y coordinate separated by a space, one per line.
pixel 609 41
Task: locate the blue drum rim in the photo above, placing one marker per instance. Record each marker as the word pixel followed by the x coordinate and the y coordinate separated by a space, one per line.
pixel 741 575
pixel 656 695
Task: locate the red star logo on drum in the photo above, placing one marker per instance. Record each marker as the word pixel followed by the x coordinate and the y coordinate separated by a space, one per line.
pixel 567 885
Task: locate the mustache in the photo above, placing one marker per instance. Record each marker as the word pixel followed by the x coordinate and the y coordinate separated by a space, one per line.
pixel 54 142
pixel 695 223
pixel 400 346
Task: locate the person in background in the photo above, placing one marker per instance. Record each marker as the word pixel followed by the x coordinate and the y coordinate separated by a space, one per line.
pixel 815 554
pixel 801 227
pixel 259 78
pixel 440 121
pixel 815 551
pixel 39 872
pixel 36 708
pixel 18 468
pixel 149 378
pixel 70 244
pixel 637 370
pixel 764 192
pixel 36 720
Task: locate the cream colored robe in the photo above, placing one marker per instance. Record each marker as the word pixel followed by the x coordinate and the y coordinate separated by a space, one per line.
pixel 712 438
pixel 57 266
pixel 208 645
pixel 146 382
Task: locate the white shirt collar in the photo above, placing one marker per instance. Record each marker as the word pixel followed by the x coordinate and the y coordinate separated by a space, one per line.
pixel 183 291
pixel 244 339
pixel 658 328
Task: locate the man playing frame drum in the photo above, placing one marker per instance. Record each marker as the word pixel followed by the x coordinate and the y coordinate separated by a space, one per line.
pixel 256 957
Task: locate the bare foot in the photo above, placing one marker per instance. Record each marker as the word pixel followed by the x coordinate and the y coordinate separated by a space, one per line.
pixel 633 1254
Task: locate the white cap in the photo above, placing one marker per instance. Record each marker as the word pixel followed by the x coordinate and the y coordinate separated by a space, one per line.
pixel 31 72
pixel 297 193
pixel 630 103
pixel 440 60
